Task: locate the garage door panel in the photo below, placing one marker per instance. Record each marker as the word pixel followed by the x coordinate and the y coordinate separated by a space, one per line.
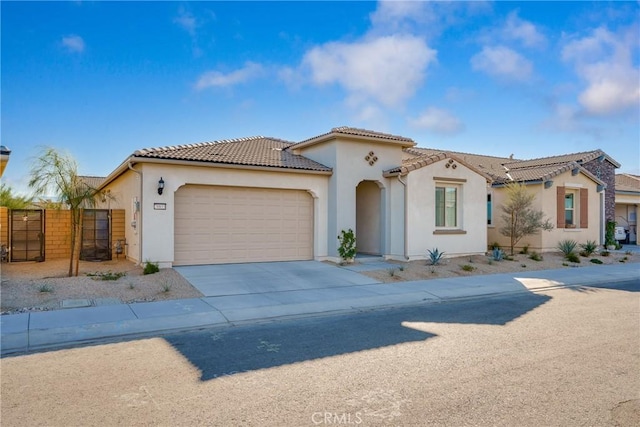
pixel 234 224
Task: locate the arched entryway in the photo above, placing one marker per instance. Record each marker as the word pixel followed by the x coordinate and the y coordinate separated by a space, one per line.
pixel 368 218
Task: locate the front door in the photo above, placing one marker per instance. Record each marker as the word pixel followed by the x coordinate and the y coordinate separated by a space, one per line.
pixel 368 219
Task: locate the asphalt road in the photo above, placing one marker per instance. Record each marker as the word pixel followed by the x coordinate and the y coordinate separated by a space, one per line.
pixel 566 357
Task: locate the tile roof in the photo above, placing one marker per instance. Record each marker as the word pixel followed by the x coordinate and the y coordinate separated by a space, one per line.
pixel 628 182
pixel 419 161
pixel 92 181
pixel 540 169
pixel 252 151
pixel 350 131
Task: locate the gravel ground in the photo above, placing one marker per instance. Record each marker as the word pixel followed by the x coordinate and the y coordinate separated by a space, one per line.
pixel 481 264
pixel 32 286
pixel 25 284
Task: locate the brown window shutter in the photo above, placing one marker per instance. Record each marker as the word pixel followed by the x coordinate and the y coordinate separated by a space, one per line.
pixel 560 207
pixel 584 208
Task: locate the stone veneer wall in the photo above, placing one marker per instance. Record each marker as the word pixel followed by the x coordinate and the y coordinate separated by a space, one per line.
pixel 606 172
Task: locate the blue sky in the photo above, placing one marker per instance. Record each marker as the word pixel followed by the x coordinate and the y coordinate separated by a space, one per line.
pixel 100 80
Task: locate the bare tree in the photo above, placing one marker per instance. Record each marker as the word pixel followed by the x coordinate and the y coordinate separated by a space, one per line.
pixel 518 216
pixel 53 171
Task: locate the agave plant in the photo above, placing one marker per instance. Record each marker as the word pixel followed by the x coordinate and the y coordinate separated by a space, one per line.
pixel 497 254
pixel 588 248
pixel 435 256
pixel 567 246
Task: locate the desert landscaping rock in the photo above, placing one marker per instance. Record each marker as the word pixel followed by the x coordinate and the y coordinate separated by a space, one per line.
pixel 22 282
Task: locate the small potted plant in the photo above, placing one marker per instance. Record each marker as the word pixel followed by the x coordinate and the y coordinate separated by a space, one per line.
pixel 347 247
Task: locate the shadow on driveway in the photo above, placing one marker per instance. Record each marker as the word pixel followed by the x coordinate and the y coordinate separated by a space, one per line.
pixel 220 352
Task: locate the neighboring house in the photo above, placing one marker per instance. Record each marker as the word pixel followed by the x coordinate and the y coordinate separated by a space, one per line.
pixel 264 199
pixel 4 158
pixel 573 190
pixel 627 201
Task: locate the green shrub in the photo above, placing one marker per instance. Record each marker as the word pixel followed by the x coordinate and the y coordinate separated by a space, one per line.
pixel 609 237
pixel 588 248
pixel 106 276
pixel 166 286
pixel 347 248
pixel 567 246
pixel 45 288
pixel 467 267
pixel 525 249
pixel 572 257
pixel 535 256
pixel 523 265
pixel 150 267
pixel 435 256
pixel 595 261
pixel 494 245
pixel 604 252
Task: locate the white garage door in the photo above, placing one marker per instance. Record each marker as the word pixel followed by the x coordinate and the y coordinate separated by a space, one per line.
pixel 216 225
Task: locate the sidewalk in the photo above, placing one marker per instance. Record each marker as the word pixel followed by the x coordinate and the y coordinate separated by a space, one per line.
pixel 49 329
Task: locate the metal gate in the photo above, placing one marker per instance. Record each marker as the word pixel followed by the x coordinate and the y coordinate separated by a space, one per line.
pixel 96 241
pixel 27 235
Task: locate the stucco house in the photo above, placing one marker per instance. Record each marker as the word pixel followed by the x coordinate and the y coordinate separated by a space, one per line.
pixel 627 201
pixel 574 190
pixel 264 199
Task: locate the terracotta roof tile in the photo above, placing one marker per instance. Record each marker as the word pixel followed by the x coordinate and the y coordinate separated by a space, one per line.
pixel 253 151
pixel 540 169
pixel 92 181
pixel 628 182
pixel 345 130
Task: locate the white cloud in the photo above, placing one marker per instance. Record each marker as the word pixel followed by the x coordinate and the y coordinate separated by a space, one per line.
pixel 429 18
pixel 502 62
pixel 187 21
pixel 437 120
pixel 218 79
pixel 387 69
pixel 604 61
pixel 523 31
pixel 73 43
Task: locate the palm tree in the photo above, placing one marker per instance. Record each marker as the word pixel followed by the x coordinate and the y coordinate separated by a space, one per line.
pixel 58 172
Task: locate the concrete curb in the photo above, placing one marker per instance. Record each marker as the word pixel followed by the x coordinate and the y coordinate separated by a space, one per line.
pixel 34 331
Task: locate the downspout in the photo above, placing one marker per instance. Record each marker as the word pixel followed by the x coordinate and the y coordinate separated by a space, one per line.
pixel 139 225
pixel 406 217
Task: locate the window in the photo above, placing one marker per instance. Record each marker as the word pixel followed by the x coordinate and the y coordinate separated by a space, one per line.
pixel 446 207
pixel 573 207
pixel 569 209
pixel 489 210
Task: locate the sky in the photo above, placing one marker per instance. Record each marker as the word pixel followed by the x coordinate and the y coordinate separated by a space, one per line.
pixel 100 80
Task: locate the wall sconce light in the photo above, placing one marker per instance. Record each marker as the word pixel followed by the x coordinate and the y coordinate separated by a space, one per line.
pixel 160 186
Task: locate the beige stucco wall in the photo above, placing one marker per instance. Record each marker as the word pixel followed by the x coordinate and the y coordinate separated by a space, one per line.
pixel 122 193
pixel 546 200
pixel 350 167
pixel 470 236
pixel 157 225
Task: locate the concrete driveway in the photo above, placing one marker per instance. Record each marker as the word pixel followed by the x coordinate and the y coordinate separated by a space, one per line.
pixel 256 278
